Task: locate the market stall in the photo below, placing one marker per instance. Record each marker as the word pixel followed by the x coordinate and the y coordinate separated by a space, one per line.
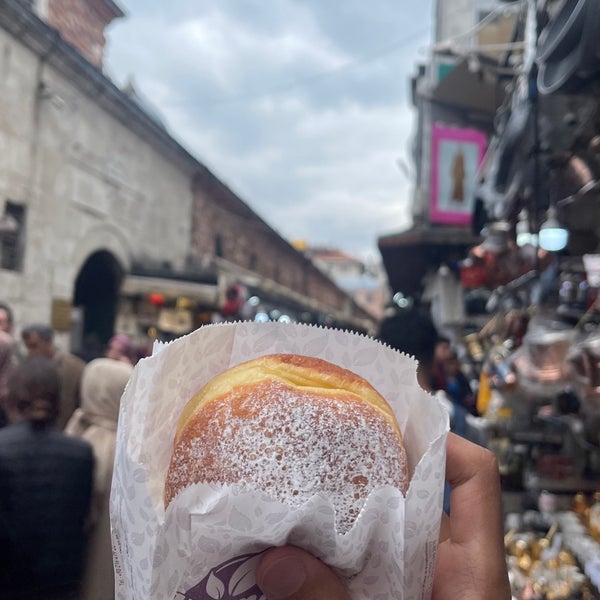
pixel 532 357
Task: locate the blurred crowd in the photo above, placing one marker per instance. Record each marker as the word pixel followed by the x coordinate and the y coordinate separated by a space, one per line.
pixel 58 423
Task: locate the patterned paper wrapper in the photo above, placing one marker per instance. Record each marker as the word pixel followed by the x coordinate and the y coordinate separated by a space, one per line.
pixel 209 541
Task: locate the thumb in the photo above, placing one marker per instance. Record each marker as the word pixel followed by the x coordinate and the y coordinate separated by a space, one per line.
pixel 293 574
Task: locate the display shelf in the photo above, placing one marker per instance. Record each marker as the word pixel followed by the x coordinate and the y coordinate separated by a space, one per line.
pixel 566 485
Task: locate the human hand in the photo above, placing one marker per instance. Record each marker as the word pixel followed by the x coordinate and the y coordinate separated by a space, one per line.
pixel 292 574
pixel 471 563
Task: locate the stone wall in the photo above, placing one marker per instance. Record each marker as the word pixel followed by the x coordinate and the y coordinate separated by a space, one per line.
pixel 225 226
pixel 87 180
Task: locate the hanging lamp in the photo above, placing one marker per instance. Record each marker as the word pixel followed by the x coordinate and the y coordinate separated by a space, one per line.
pixel 553 236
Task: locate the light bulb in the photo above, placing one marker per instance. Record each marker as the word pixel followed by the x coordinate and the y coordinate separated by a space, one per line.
pixel 524 236
pixel 553 237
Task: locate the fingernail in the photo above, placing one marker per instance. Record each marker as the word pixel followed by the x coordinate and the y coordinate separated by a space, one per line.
pixel 282 578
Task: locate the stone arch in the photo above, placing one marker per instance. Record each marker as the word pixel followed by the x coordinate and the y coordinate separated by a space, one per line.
pixel 101 260
pixel 102 237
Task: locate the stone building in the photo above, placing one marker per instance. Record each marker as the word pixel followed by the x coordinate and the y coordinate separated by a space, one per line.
pixel 365 281
pixel 106 221
pixel 228 238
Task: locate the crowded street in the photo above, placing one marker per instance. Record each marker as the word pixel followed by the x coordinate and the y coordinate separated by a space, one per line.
pixel 300 300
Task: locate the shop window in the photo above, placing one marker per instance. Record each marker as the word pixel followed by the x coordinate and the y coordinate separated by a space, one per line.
pixel 12 237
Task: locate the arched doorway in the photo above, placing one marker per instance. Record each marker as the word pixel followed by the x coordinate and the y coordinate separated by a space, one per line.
pixel 96 296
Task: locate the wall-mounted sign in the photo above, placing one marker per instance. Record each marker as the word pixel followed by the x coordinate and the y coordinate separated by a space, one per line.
pixel 455 157
pixel 60 319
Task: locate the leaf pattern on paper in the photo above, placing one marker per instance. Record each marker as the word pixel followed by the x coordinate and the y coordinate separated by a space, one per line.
pixel 364 357
pixel 137 538
pixel 315 346
pixel 239 521
pixel 215 588
pixel 243 578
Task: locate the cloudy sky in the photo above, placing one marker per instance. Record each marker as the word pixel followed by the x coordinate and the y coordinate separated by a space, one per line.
pixel 301 106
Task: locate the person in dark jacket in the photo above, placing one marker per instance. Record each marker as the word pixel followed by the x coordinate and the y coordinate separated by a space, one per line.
pixel 45 491
pixel 413 332
pixel 457 385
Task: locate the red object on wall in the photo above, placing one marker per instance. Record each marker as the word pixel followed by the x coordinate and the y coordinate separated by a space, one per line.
pixel 157 299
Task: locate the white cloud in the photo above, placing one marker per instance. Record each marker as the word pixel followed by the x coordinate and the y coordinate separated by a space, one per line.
pixel 284 104
pixel 232 51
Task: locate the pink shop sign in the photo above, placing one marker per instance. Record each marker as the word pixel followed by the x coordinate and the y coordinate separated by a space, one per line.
pixel 456 155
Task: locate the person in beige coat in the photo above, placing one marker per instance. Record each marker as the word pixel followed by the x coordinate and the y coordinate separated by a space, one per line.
pixel 39 341
pixel 8 365
pixel 102 386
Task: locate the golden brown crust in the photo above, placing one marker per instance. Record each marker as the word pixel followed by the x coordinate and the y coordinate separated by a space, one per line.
pixel 291 426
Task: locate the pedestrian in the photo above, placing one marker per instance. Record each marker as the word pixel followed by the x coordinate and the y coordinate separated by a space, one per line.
pixel 6 318
pixel 458 387
pixel 39 341
pixel 102 386
pixel 411 331
pixel 120 348
pixel 8 364
pixel 441 353
pixel 45 484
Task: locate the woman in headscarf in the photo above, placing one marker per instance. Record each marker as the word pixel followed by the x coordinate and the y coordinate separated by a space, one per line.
pixel 102 386
pixel 120 348
pixel 8 364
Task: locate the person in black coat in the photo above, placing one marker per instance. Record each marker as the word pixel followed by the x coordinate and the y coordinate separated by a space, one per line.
pixel 458 386
pixel 45 491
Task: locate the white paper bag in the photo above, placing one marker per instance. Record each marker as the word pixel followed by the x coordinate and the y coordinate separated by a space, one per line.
pixel 208 543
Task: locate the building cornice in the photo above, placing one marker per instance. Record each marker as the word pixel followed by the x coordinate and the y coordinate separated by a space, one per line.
pixel 46 42
pixel 112 9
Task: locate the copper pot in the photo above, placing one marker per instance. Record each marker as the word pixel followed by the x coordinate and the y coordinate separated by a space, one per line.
pixel 545 353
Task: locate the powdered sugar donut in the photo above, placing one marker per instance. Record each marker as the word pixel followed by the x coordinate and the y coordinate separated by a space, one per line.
pixel 291 426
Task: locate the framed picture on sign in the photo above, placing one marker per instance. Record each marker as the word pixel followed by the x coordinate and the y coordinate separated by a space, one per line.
pixel 455 157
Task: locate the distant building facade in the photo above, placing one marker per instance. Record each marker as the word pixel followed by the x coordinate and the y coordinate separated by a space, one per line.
pixel 366 283
pixel 104 221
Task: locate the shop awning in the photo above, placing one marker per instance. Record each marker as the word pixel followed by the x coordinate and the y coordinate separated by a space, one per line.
pixel 276 293
pixel 464 89
pixel 203 293
pixel 408 255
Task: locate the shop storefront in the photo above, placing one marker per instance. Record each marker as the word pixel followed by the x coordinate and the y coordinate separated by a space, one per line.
pixel 162 304
pixel 164 307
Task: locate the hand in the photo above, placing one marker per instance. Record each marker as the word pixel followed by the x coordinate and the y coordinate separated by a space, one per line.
pixel 294 574
pixel 471 563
